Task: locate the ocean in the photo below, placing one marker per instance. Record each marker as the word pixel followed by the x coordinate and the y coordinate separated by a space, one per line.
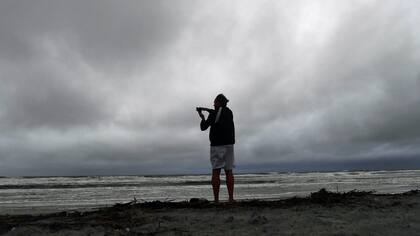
pixel 34 195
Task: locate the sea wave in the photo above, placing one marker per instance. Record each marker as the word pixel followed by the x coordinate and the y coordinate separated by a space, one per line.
pixel 121 185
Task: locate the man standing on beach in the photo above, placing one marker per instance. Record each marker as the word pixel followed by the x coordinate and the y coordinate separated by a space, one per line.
pixel 222 139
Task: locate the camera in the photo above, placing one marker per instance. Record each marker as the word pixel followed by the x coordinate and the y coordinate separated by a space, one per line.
pixel 201 109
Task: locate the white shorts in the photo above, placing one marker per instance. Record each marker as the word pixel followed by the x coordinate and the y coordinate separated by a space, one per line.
pixel 222 157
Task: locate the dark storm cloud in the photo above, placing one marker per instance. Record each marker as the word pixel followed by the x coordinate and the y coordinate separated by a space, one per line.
pixel 58 57
pixel 109 87
pixel 45 99
pixel 107 33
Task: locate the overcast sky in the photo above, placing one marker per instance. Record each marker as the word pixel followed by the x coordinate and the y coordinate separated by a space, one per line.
pixel 110 87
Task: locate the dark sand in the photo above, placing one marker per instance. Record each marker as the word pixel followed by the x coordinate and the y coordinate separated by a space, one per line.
pixel 322 213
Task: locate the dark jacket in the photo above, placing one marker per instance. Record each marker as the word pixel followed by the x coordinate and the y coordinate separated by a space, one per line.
pixel 222 132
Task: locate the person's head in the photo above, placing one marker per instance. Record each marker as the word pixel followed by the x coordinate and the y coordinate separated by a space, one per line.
pixel 220 101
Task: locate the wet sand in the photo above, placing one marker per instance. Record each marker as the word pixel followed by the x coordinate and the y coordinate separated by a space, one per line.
pixel 321 213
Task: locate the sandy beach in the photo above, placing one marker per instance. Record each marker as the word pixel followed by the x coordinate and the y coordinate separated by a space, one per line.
pixel 321 213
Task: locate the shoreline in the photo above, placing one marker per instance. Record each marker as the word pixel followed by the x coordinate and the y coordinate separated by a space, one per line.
pixel 321 213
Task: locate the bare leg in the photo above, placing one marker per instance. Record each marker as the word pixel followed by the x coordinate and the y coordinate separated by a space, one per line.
pixel 215 182
pixel 230 183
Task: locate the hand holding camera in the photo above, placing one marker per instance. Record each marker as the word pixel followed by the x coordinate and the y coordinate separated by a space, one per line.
pixel 200 111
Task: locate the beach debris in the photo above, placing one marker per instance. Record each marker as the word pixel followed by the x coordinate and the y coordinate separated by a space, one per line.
pixel 396 203
pixel 198 201
pixel 325 197
pixel 142 218
pixel 412 192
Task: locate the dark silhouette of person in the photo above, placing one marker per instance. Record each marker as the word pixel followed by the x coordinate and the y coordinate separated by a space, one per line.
pixel 222 140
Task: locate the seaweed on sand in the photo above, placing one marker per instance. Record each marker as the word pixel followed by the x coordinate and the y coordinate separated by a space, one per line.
pixel 132 214
pixel 325 197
